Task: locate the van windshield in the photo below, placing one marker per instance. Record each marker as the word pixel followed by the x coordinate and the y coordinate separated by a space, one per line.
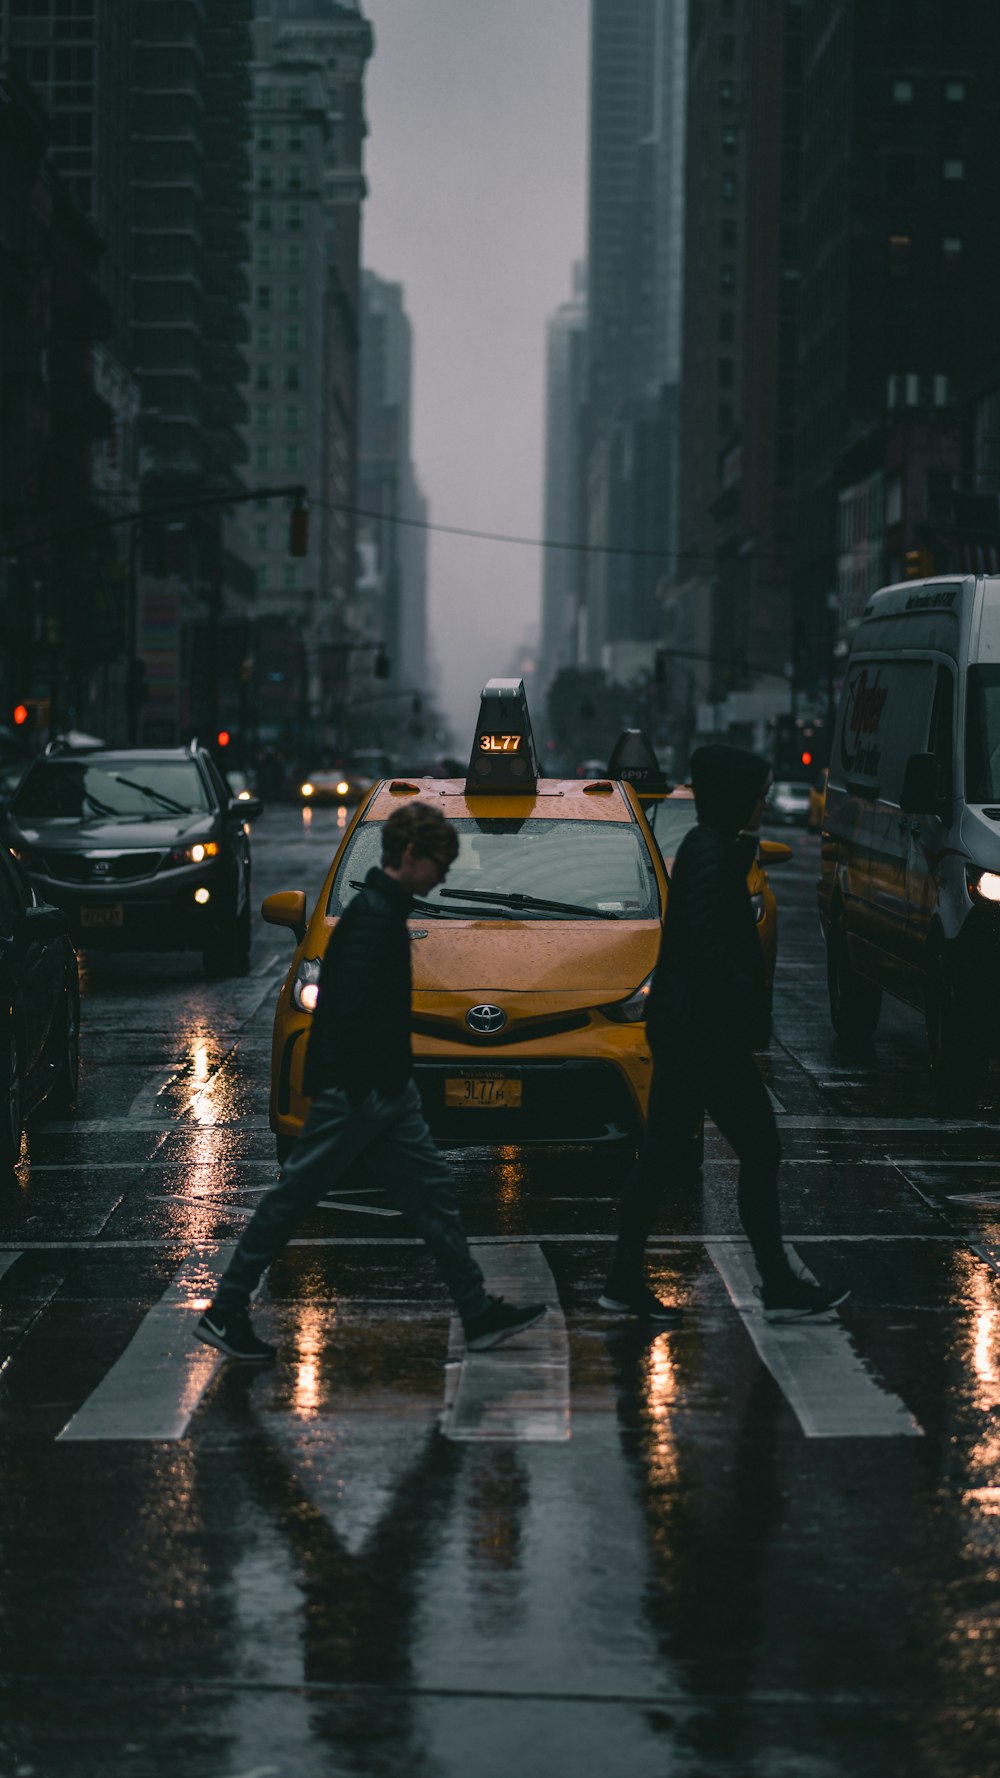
pixel 982 736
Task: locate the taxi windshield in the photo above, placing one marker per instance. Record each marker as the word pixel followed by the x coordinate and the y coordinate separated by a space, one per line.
pixel 601 866
pixel 670 820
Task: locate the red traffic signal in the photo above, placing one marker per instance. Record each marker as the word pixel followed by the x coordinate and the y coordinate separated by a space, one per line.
pixel 806 759
pixel 20 715
pixel 223 738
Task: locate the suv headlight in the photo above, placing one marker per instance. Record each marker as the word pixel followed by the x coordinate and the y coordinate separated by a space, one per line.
pixel 984 885
pixel 305 987
pixel 632 1010
pixel 195 853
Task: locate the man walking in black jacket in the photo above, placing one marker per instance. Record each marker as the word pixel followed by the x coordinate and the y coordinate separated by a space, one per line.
pixel 708 1011
pixel 365 1104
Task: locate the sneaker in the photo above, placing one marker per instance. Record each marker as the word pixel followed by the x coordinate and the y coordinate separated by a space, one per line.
pixel 232 1334
pixel 498 1321
pixel 637 1299
pixel 798 1300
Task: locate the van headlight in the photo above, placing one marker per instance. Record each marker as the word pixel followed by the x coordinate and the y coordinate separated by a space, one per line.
pixel 305 987
pixel 984 885
pixel 632 1010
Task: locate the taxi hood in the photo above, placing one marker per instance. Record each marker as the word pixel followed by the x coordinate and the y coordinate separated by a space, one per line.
pixel 597 959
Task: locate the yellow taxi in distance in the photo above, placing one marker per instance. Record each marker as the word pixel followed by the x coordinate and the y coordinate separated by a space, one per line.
pixel 531 964
pixel 671 817
pixel 817 802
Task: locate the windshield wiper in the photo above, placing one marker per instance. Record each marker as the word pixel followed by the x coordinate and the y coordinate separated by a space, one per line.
pixel 147 790
pixel 433 908
pixel 514 899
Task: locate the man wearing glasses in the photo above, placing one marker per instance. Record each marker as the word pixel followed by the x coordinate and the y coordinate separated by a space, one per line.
pixel 365 1104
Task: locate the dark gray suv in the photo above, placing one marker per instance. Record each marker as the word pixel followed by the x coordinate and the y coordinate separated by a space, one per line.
pixel 143 849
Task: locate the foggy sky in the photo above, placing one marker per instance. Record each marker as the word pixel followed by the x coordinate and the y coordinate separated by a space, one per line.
pixel 476 165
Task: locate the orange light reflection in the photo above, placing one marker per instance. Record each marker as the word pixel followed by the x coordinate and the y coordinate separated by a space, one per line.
pixel 309 1337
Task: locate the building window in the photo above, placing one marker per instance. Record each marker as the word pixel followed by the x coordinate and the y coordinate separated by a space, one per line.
pixel 727 325
pixel 954 92
pixel 293 216
pixel 727 92
pixel 899 256
pixel 727 231
pixel 293 140
pixel 265 177
pixel 296 98
pixel 727 48
pixel 293 457
pixel 264 257
pixel 951 249
pixel 262 416
pixel 262 456
pixel 726 373
pixel 293 418
pixel 262 338
pixel 290 576
pixel 725 417
pixel 727 279
pixel 293 177
pixel 902 92
pixel 293 337
pixel 953 170
pixel 293 297
pixel 293 257
pixel 263 216
pixel 265 138
pixel 263 296
pixel 730 141
pixel 262 536
pixel 265 97
pixel 263 377
pixel 292 377
pixel 728 187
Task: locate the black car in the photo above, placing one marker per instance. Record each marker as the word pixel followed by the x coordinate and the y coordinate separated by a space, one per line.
pixel 143 850
pixel 39 1008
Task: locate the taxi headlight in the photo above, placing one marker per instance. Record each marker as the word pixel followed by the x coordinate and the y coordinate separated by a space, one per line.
pixel 305 987
pixel 194 854
pixel 632 1010
pixel 757 903
pixel 984 885
pixel 306 789
pixel 343 787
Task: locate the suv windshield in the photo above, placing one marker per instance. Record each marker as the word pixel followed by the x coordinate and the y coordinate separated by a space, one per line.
pixel 982 736
pixel 75 789
pixel 602 865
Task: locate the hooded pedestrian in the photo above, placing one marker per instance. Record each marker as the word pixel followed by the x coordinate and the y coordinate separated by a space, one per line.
pixel 709 1010
pixel 365 1104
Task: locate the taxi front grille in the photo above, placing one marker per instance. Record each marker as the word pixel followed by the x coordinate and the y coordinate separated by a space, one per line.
pixel 525 1031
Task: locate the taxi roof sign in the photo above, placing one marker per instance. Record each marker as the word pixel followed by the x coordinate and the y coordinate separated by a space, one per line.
pixel 503 759
pixel 633 759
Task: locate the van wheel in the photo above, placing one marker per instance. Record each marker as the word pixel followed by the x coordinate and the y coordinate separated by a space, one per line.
pixel 957 1053
pixel 855 1002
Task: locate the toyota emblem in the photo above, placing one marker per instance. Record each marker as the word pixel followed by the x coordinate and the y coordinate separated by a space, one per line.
pixel 486 1018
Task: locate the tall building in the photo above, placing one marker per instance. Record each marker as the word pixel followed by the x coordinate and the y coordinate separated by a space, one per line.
pixel 388 483
pixel 304 317
pixel 565 396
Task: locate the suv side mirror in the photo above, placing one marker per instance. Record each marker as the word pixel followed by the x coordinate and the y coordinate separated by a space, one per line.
pixel 287 908
pixel 247 806
pixel 921 793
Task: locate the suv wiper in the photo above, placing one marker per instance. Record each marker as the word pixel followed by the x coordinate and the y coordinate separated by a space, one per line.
pixel 147 790
pixel 514 899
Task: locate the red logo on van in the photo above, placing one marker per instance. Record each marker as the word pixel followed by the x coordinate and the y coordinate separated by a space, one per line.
pixel 865 704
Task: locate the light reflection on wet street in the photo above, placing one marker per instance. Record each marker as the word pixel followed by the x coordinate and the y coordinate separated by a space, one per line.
pixel 315 1570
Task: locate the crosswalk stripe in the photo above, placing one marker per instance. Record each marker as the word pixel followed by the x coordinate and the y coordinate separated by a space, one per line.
pixel 7 1260
pixel 153 1389
pixel 520 1390
pixel 816 1367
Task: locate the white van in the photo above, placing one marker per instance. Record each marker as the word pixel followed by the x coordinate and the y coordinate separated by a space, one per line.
pixel 910 889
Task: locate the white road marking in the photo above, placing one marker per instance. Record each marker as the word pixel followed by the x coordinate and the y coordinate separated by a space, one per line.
pixel 152 1390
pixel 365 1209
pixel 178 1164
pixel 658 1243
pixel 115 1126
pixel 520 1390
pixel 154 1085
pixel 7 1260
pixel 216 1204
pixel 268 963
pixel 821 1376
pixel 776 1102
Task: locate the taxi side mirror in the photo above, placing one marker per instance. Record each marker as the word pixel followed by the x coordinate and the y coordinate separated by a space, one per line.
pixel 287 908
pixel 774 852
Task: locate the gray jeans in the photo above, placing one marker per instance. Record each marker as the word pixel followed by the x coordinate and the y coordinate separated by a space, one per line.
pixel 393 1140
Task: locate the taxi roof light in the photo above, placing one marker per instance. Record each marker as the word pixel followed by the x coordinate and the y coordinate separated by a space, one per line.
pixel 633 759
pixel 503 759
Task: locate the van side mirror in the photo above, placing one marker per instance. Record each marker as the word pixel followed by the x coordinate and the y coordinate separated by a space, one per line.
pixel 921 793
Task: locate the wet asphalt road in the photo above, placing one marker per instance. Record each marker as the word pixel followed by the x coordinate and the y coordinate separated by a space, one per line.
pixel 732 1550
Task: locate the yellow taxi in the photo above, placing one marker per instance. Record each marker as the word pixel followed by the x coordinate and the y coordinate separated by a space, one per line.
pixel 671 817
pixel 817 802
pixel 531 964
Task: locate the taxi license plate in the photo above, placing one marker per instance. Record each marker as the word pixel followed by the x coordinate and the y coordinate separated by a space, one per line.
pixel 482 1092
pixel 110 916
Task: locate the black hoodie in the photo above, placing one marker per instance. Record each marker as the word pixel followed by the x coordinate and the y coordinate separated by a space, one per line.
pixel 710 988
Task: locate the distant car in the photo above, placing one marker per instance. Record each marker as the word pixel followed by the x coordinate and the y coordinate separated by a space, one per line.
pixel 789 802
pixel 143 850
pixel 39 1009
pixel 243 787
pixel 339 786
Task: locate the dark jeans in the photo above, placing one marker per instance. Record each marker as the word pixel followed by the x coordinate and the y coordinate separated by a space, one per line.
pixel 687 1084
pixel 393 1140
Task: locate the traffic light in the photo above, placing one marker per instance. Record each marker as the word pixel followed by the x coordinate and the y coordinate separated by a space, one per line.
pixel 223 738
pixel 919 564
pixel 298 530
pixel 21 715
